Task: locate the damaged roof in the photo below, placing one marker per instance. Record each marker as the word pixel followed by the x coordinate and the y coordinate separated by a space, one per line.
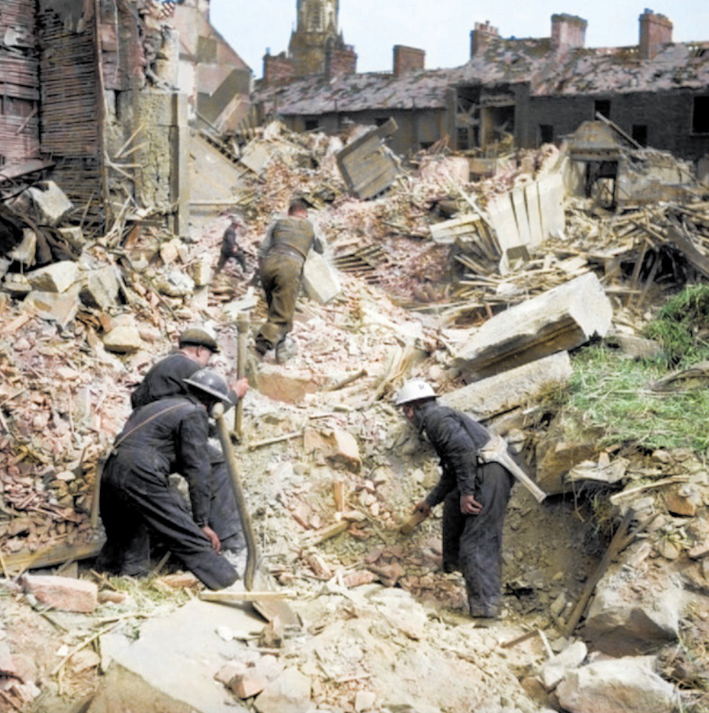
pixel 505 61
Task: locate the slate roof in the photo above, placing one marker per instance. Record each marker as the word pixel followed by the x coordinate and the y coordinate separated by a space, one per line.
pixel 580 71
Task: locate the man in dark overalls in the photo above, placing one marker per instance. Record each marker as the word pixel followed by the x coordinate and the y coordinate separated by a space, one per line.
pixel 474 494
pixel 136 500
pixel 281 259
pixel 230 248
pixel 166 379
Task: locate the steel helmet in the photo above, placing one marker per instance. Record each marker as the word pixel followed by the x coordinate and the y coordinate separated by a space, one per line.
pixel 198 337
pixel 414 390
pixel 205 381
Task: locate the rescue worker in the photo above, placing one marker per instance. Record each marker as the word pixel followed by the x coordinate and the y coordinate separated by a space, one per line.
pixel 281 259
pixel 230 248
pixel 166 379
pixel 474 494
pixel 136 501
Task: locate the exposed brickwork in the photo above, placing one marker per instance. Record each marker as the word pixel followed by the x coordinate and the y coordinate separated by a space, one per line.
pixel 655 31
pixel 408 59
pixel 277 69
pixel 567 32
pixel 340 61
pixel 481 36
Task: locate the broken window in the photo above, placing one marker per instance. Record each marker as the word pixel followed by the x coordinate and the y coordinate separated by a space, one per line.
pixel 311 124
pixel 639 134
pixel 700 115
pixel 463 143
pixel 546 134
pixel 603 107
pixel 381 120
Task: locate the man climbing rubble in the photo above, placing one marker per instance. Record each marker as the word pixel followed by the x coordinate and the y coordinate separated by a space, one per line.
pixel 474 494
pixel 230 248
pixel 136 501
pixel 166 379
pixel 281 259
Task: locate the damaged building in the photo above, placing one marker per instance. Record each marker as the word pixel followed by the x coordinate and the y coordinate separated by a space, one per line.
pixel 521 92
pixel 100 96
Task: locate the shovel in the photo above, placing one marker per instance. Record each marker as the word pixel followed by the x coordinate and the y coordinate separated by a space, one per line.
pixel 256 577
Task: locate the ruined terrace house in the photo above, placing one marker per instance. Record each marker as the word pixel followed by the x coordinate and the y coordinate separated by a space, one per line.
pixel 528 91
pixel 110 99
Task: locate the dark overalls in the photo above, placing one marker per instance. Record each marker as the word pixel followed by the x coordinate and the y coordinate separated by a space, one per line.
pixel 471 543
pixel 164 437
pixel 163 380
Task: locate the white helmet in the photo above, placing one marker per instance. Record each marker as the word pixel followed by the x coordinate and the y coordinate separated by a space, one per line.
pixel 414 390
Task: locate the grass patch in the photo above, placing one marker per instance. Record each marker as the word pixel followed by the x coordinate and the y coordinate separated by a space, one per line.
pixel 613 391
pixel 680 323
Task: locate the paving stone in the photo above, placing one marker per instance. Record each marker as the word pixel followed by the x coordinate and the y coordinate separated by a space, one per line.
pixel 63 593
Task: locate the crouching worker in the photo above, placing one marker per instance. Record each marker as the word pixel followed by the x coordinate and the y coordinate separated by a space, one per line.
pixel 474 495
pixel 136 501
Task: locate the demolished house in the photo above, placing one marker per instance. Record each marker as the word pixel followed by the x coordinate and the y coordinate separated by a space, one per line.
pixel 524 91
pixel 490 290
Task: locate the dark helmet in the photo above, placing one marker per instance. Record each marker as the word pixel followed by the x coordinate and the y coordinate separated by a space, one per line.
pixel 205 381
pixel 198 337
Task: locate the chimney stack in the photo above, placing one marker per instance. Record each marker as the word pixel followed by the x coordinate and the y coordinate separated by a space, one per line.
pixel 408 59
pixel 567 32
pixel 655 31
pixel 480 38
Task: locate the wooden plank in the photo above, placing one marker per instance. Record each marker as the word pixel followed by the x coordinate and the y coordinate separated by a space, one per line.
pixel 22 561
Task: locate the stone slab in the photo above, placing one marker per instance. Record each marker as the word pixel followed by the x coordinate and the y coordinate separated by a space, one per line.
pixel 171 667
pixel 562 318
pixel 501 393
pixel 320 279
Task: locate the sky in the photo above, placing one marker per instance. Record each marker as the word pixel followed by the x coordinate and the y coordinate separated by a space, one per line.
pixel 442 27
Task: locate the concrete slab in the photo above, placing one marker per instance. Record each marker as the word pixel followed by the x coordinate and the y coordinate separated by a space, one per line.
pixel 320 279
pixel 171 667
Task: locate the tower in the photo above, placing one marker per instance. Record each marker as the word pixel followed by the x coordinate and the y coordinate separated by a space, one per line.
pixel 316 37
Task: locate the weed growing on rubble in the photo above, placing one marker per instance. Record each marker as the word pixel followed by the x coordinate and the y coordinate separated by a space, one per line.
pixel 682 326
pixel 614 394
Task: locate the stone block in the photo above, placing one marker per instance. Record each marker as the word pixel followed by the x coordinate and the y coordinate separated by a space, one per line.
pixel 123 339
pixel 624 620
pixel 365 701
pixel 59 308
pixel 502 393
pixel 560 319
pixel 57 277
pixel 201 270
pixel 289 693
pixel 342 447
pixel 175 284
pixel 248 684
pixel 627 684
pixel 358 578
pixel 49 203
pixel 567 443
pixel 25 252
pixel 74 235
pixel 281 385
pixel 63 593
pixel 320 279
pixel 101 288
pixel 554 670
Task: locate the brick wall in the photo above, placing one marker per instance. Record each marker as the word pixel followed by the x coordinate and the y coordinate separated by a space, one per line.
pixel 340 61
pixel 408 59
pixel 277 69
pixel 655 31
pixel 567 32
pixel 667 116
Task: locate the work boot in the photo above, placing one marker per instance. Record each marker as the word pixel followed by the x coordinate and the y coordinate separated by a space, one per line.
pixel 284 350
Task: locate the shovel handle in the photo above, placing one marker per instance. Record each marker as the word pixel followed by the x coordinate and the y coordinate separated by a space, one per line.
pixel 227 449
